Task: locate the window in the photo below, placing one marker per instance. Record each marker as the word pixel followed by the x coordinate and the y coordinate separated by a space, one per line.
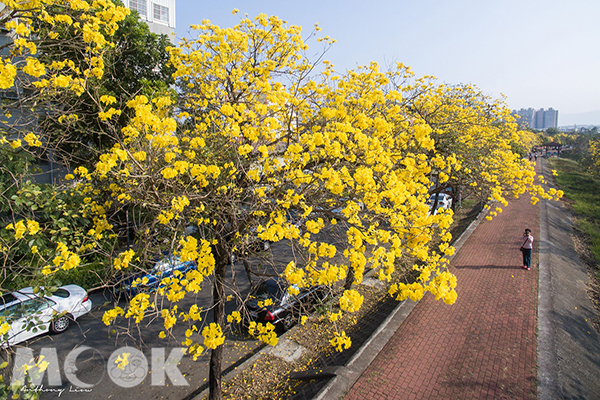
pixel 161 13
pixel 7 298
pixel 139 6
pixel 61 293
pixel 31 306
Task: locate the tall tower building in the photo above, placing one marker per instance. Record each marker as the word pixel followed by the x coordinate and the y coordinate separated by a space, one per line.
pixel 526 116
pixel 539 119
pixel 550 118
pixel 158 14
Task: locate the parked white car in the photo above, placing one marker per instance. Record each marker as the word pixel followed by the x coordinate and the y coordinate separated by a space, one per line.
pixel 30 315
pixel 444 202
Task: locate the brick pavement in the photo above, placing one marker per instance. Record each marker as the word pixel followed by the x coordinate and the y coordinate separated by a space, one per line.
pixel 483 346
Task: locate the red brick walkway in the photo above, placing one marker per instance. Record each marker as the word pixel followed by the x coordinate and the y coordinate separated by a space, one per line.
pixel 483 346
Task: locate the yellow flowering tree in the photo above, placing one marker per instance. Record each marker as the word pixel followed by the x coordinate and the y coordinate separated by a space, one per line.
pixel 44 228
pixel 136 61
pixel 260 146
pixel 478 145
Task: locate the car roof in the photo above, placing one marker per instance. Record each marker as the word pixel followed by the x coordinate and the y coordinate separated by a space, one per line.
pixel 62 292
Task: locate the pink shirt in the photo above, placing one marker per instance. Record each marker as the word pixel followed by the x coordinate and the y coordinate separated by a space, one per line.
pixel 528 244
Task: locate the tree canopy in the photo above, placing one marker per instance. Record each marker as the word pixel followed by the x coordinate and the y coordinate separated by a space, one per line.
pixel 259 142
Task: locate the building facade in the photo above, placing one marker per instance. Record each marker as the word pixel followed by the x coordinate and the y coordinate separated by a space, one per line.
pixel 537 119
pixel 158 14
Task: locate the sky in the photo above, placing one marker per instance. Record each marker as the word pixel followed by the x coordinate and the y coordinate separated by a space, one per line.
pixel 538 53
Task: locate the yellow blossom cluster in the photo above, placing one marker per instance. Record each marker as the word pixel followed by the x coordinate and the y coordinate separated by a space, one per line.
pixel 65 260
pixel 93 23
pixel 124 259
pixel 138 306
pixel 234 316
pixel 264 332
pixel 213 336
pixel 594 150
pixel 351 301
pixel 4 328
pixel 340 341
pixel 21 228
pixel 109 316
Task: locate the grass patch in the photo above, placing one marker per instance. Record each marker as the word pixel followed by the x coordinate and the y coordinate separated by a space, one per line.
pixel 582 191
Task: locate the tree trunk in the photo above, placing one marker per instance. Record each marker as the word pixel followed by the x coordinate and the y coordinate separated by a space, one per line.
pixel 349 279
pixel 248 271
pixel 216 356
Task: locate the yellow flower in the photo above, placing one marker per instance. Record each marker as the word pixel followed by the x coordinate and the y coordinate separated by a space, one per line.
pixel 351 301
pixel 122 360
pixel 32 140
pixel 340 341
pixel 213 336
pixel 110 315
pixel 33 227
pixel 108 99
pixel 244 149
pixel 168 173
pixel 234 316
pixel 20 230
pixel 124 259
pixel 5 327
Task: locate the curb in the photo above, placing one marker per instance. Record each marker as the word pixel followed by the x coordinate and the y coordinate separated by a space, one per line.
pixel 348 375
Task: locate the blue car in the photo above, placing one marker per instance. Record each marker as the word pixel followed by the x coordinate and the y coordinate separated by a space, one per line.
pixel 150 281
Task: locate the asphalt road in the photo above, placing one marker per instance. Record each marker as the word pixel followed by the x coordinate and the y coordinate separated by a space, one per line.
pixel 85 354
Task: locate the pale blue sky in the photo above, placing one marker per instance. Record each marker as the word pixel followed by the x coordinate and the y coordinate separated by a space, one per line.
pixel 539 53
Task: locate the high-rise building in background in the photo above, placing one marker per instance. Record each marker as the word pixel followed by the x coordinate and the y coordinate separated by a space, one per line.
pixel 537 119
pixel 158 14
pixel 527 116
pixel 550 118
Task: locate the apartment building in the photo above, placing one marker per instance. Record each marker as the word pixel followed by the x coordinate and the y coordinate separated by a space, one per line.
pixel 537 119
pixel 158 14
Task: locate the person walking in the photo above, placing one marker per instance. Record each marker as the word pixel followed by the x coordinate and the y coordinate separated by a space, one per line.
pixel 527 248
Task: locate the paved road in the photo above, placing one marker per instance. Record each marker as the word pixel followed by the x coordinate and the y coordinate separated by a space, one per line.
pixel 93 366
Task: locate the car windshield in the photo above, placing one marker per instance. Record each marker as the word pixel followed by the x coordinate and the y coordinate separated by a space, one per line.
pixel 27 307
pixel 163 265
pixel 442 197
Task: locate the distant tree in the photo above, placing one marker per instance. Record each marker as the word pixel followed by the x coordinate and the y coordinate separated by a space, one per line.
pixel 594 157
